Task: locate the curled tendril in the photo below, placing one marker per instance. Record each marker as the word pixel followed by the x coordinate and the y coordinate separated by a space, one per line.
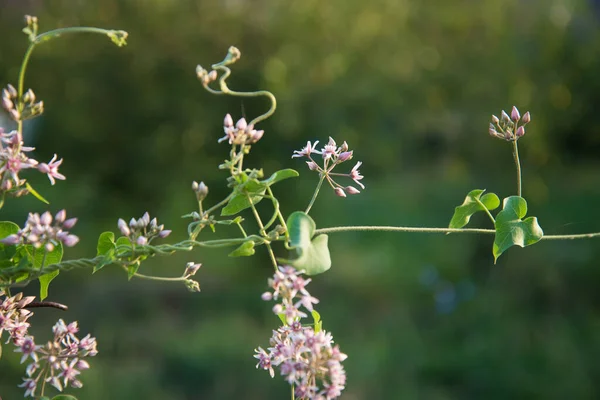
pixel 233 55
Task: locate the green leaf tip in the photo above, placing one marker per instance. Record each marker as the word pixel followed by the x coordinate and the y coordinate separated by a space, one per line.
pixel 312 253
pixel 462 214
pixel 512 230
pixel 246 249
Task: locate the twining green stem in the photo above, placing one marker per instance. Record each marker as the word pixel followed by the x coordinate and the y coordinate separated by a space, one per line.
pixel 515 151
pixel 157 278
pixel 401 229
pixel 262 231
pixel 486 210
pixel 278 211
pixel 442 230
pixel 293 392
pixel 315 194
pixel 571 237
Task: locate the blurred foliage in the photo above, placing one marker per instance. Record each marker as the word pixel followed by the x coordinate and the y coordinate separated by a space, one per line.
pixel 410 85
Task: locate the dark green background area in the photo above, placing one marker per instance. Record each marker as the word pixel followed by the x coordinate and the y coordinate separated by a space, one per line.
pixel 411 86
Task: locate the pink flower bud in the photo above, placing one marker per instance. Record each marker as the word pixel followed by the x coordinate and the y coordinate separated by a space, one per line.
pixel 514 114
pixel 164 234
pixel 142 240
pixel 11 240
pixel 70 240
pixel 340 192
pixel 267 296
pixel 520 131
pixel 125 231
pixel 495 120
pixel 70 223
pixel 191 269
pixel 49 247
pixel 60 216
pixel 241 124
pixel 526 118
pixel 228 122
pixel 492 130
pixel 345 156
pixel 46 218
pixel 504 116
pixel 212 75
pixel 351 190
pixel 312 165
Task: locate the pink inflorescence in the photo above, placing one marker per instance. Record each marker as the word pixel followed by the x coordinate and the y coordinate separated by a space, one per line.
pixel 43 231
pixel 306 357
pixel 241 133
pixel 509 127
pixel 332 156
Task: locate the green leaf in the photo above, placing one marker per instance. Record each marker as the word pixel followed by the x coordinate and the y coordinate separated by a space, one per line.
pixel 317 321
pixel 52 257
pixel 106 247
pixel 106 243
pixel 64 397
pixel 463 213
pixel 240 202
pixel 36 194
pixel 512 230
pixel 45 283
pixel 132 269
pixel 312 253
pixel 280 175
pixel 123 241
pixel 282 318
pixel 246 249
pixel 8 228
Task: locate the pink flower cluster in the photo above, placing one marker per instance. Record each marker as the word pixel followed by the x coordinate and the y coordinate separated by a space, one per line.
pixel 60 361
pixel 13 317
pixel 304 355
pixel 13 160
pixel 42 231
pixel 143 230
pixel 241 133
pixel 332 157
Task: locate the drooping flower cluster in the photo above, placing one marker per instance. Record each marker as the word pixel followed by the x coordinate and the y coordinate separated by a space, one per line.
pixel 511 127
pixel 143 230
pixel 60 361
pixel 304 355
pixel 205 76
pixel 13 317
pixel 332 157
pixel 42 231
pixel 13 159
pixel 241 133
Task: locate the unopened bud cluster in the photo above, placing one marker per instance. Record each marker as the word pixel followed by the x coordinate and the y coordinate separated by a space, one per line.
pixel 332 156
pixel 200 189
pixel 31 28
pixel 240 133
pixel 21 109
pixel 143 230
pixel 511 127
pixel 305 356
pixel 43 231
pixel 205 76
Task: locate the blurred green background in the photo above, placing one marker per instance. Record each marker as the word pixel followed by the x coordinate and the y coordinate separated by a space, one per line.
pixel 411 85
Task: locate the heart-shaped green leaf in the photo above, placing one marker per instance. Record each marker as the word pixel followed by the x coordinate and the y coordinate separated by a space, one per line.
pixel 7 252
pixel 246 249
pixel 463 213
pixel 312 253
pixel 106 243
pixel 512 230
pixel 52 257
pixel 106 247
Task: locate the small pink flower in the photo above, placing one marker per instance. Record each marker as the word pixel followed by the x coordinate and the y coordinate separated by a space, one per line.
pixel 51 169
